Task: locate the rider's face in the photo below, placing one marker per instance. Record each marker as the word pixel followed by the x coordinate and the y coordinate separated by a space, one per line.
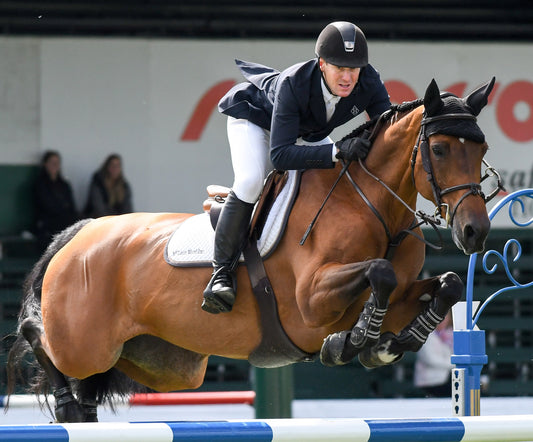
pixel 340 80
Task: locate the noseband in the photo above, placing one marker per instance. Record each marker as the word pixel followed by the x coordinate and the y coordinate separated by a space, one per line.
pixel 438 193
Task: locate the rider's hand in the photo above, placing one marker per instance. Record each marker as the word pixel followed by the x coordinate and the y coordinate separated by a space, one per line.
pixel 352 148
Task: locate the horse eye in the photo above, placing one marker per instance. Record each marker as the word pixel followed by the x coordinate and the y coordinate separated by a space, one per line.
pixel 438 149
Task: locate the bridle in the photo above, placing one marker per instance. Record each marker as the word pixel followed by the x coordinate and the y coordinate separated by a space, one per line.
pixel 422 144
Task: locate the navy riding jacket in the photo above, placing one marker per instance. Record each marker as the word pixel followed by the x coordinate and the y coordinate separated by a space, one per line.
pixel 291 105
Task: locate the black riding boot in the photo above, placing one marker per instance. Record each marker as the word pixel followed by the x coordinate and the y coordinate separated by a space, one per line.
pixel 230 234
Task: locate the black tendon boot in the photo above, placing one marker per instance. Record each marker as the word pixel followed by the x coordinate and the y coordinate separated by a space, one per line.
pixel 230 234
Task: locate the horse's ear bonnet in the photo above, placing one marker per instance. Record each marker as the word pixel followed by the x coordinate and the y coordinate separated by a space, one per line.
pixel 435 105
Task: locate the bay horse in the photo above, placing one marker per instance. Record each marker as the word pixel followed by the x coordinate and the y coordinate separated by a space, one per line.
pixel 102 303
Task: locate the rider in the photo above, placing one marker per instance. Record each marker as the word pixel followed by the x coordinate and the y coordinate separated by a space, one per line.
pixel 283 120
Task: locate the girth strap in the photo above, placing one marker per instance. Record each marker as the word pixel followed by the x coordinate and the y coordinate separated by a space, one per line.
pixel 275 349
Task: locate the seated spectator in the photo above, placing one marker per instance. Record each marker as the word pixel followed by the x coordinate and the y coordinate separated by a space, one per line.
pixel 53 199
pixel 433 361
pixel 109 192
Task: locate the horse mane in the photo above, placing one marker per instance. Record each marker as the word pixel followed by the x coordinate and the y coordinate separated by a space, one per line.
pixel 369 125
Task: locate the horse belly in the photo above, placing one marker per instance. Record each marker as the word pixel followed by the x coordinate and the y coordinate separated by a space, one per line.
pixel 175 315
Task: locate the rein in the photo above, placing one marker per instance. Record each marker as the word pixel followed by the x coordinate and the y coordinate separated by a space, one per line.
pixel 420 218
pixel 431 221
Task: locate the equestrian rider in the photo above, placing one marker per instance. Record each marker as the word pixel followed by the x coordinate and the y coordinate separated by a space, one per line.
pixel 283 120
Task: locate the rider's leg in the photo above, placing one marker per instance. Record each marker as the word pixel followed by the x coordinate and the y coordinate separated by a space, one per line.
pixel 230 234
pixel 251 163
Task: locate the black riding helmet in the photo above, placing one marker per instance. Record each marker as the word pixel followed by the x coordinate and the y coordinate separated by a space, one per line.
pixel 343 44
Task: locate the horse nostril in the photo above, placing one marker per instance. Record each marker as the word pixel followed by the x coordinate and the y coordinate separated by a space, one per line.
pixel 474 237
pixel 469 231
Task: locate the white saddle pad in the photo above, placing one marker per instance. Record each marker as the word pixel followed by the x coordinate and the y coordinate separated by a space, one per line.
pixel 192 243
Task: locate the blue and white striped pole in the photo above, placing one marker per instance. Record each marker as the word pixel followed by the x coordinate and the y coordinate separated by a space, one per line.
pixel 465 429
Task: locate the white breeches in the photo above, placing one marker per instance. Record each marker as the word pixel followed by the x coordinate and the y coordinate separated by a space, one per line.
pixel 250 157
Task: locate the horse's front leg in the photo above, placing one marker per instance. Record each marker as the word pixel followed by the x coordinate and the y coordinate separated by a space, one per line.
pixel 342 285
pixel 447 290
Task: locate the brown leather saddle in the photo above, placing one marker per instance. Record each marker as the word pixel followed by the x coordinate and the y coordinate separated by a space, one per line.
pixel 216 195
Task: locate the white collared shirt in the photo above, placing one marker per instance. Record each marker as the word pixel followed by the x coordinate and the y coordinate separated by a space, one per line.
pixel 329 99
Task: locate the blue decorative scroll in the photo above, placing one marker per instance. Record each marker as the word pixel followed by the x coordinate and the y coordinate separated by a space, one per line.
pixel 517 214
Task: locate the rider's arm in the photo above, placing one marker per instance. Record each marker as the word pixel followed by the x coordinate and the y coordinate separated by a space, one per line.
pixel 284 153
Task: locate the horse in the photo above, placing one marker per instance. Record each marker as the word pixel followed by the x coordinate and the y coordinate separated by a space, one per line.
pixel 104 314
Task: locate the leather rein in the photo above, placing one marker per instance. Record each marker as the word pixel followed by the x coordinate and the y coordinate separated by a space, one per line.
pixel 420 218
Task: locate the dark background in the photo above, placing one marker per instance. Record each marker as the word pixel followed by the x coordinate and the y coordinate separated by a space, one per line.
pixel 449 20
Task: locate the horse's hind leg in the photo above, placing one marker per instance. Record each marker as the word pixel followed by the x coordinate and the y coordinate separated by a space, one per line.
pixel 390 349
pixel 87 395
pixel 67 409
pixel 340 348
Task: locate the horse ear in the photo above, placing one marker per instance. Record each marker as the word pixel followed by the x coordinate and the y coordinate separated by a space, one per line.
pixel 478 99
pixel 432 101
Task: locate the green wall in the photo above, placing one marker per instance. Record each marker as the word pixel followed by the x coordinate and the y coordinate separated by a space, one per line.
pixel 16 200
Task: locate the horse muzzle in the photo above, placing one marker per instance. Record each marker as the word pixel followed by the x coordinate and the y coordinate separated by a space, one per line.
pixel 470 230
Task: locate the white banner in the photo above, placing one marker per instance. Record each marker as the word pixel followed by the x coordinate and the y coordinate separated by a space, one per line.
pixel 154 101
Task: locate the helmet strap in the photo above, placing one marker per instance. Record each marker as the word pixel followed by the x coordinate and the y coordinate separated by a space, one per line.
pixel 324 78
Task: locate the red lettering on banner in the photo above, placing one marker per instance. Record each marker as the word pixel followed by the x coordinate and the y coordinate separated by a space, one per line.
pixel 459 89
pixel 517 92
pixel 399 91
pixel 199 118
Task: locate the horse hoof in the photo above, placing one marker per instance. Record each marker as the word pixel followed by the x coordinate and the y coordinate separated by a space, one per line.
pixel 90 412
pixel 406 341
pixel 369 359
pixel 70 412
pixel 381 354
pixel 333 351
pixel 214 304
pixel 90 416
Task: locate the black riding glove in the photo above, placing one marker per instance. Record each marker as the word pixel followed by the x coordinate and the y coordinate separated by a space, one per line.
pixel 353 148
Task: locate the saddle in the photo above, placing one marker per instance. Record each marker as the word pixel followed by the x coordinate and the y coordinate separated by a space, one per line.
pixel 217 194
pixel 275 349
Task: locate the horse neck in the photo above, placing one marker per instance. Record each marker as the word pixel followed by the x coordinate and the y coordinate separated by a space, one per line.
pixel 389 161
pixel 390 156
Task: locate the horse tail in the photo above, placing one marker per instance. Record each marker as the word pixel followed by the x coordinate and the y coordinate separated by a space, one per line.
pixel 31 309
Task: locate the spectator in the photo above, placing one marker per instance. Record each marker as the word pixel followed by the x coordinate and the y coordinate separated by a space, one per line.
pixel 53 199
pixel 109 192
pixel 433 361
